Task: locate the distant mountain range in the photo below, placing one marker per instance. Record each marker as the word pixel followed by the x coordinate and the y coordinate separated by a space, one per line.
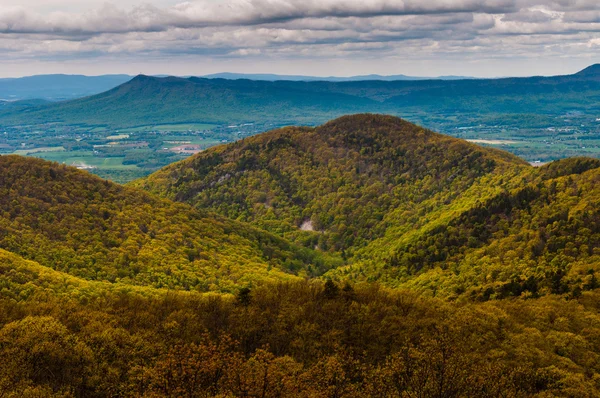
pixel 147 100
pixel 57 87
pixel 274 77
pixel 64 87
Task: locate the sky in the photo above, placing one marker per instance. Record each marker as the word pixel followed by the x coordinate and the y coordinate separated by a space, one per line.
pixel 479 38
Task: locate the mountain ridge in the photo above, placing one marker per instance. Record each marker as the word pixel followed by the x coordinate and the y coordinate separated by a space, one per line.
pixel 386 194
pixel 592 70
pixel 93 229
pixel 441 268
pixel 275 77
pixel 375 163
pixel 222 101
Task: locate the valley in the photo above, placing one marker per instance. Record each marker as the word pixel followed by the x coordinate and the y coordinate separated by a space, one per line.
pixel 299 199
pixel 539 119
pixel 304 260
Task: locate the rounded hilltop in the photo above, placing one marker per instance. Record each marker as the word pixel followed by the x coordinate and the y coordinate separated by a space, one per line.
pixel 343 176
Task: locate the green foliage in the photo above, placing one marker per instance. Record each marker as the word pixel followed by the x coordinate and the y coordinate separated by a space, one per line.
pixel 406 206
pixel 539 238
pixel 292 340
pixel 81 225
pixel 341 179
pixel 101 285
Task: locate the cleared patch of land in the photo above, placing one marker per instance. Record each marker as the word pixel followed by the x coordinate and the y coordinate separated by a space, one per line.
pixel 493 142
pixel 188 149
pixel 25 152
pixel 171 127
pixel 118 137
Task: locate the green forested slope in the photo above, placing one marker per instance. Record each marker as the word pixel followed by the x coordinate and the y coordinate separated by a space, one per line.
pixel 407 207
pixel 537 237
pixel 298 339
pixel 340 179
pixel 91 287
pixel 81 225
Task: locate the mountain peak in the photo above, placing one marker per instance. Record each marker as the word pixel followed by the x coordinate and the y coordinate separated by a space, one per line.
pixel 300 175
pixel 592 70
pixel 361 120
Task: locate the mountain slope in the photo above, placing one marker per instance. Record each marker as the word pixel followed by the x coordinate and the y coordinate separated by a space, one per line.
pixel 339 180
pixel 146 101
pixel 406 206
pixel 57 87
pixel 457 221
pixel 149 100
pixel 538 236
pixel 81 225
pixel 63 338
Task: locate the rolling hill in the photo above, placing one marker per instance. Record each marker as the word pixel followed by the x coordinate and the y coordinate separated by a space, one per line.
pixel 406 206
pixel 107 290
pixel 96 230
pixel 341 178
pixel 539 234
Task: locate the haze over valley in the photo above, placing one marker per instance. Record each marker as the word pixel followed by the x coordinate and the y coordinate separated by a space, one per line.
pixel 148 122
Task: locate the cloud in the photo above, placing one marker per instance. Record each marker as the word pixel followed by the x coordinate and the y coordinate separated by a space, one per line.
pixel 301 29
pixel 198 14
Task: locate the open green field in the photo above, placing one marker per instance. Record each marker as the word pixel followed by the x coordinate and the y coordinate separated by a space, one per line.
pixel 174 141
pixel 86 158
pixel 170 127
pixel 25 152
pixel 114 154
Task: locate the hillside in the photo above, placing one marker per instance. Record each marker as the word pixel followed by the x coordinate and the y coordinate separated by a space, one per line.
pixel 92 229
pixel 108 290
pixel 286 340
pixel 406 206
pixel 537 237
pixel 339 180
pixel 146 101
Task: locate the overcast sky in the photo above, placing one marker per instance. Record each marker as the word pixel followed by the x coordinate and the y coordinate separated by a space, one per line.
pixel 310 37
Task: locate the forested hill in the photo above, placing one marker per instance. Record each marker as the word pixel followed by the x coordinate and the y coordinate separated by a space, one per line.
pixel 406 206
pixel 534 234
pixel 339 180
pixel 147 101
pixel 102 286
pixel 93 229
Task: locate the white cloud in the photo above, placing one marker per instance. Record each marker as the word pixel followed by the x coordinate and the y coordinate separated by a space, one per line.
pixel 314 31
